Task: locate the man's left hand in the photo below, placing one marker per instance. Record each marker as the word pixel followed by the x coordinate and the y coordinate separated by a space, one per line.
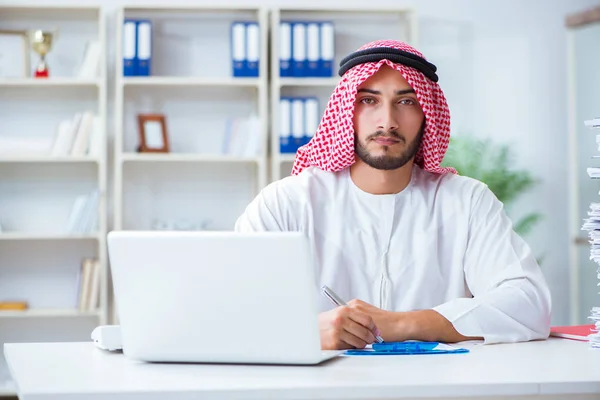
pixel 394 326
pixel 424 325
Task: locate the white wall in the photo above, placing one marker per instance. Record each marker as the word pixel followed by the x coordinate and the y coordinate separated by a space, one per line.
pixel 503 68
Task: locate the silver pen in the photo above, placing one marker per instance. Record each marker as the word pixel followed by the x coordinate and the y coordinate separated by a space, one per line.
pixel 335 299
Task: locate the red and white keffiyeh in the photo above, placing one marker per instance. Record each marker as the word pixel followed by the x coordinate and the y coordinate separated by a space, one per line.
pixel 332 147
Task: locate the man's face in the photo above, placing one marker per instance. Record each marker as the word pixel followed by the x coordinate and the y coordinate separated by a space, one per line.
pixel 388 120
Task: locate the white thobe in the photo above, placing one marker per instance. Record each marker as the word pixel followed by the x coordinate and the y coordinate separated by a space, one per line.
pixel 443 243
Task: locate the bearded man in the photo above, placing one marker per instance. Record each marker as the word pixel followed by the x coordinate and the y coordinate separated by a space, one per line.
pixel 424 254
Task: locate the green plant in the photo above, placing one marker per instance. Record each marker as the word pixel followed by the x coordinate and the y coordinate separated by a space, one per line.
pixel 492 164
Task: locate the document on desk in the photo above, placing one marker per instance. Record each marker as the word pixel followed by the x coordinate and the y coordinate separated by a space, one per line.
pixel 406 348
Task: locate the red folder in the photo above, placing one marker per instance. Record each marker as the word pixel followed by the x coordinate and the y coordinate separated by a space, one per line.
pixel 577 332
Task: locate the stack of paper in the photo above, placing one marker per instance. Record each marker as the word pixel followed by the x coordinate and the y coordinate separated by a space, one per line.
pixel 593 172
pixel 592 225
pixel 594 338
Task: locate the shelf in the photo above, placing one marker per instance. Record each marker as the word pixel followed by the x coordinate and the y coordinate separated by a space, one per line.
pixel 346 9
pixel 49 82
pixel 48 159
pixel 223 7
pixel 34 236
pixel 189 81
pixel 182 157
pixel 47 313
pixel 322 82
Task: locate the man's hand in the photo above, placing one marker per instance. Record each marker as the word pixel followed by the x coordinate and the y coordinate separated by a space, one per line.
pixel 392 325
pixel 346 328
pixel 425 325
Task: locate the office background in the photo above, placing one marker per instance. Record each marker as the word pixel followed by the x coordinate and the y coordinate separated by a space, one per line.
pixel 503 66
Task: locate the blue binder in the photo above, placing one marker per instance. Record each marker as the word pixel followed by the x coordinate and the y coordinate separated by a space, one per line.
pixel 298 127
pixel 299 61
pixel 129 47
pixel 144 47
pixel 252 49
pixel 407 348
pixel 238 49
pixel 285 49
pixel 327 49
pixel 285 125
pixel 313 53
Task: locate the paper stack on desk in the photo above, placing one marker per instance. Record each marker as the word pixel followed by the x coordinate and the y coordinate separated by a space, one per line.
pixel 594 338
pixel 594 172
pixel 592 225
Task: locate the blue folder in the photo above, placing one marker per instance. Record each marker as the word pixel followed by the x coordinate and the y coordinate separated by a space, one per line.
pixel 406 348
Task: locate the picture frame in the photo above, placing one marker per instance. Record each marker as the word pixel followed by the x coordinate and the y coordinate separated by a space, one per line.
pixel 14 54
pixel 153 136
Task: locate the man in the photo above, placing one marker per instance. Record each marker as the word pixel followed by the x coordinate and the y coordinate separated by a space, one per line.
pixel 423 253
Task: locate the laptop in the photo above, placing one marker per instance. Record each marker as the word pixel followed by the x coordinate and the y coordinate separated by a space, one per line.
pixel 216 297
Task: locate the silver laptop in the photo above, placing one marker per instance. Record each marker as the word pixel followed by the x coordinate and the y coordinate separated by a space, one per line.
pixel 216 297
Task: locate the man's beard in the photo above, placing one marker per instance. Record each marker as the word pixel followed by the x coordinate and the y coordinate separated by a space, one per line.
pixel 389 162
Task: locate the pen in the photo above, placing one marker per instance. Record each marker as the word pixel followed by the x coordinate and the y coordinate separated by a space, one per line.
pixel 335 299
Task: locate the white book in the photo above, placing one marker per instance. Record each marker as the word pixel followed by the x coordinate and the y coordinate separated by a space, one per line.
pixel 95 144
pixel 94 291
pixel 90 218
pixel 72 135
pixel 86 273
pixel 63 138
pixel 76 214
pixel 82 135
pixel 91 61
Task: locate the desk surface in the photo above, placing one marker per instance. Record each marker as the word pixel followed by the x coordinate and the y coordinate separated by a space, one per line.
pixel 555 366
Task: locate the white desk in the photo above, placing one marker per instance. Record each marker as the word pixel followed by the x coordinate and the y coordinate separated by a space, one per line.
pixel 557 369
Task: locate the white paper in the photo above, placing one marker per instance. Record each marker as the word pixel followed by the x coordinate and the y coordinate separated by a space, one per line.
pixel 154 136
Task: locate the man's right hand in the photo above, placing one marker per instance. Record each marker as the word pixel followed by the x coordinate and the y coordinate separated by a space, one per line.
pixel 346 328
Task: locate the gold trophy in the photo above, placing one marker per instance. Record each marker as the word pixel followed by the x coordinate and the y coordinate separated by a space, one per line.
pixel 41 42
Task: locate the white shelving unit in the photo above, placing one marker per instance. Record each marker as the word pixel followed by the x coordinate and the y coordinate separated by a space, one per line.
pixel 53 82
pixel 191 81
pixel 196 185
pixel 39 260
pixel 192 85
pixel 353 27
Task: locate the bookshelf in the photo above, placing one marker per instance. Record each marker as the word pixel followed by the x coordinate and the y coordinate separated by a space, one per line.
pixel 200 182
pixel 195 96
pixel 376 23
pixel 40 257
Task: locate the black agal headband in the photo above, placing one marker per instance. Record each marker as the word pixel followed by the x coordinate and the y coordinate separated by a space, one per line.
pixel 394 55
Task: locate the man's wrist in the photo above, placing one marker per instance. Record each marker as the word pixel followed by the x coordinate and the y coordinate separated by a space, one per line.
pixel 405 326
pixel 417 325
pixel 431 326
